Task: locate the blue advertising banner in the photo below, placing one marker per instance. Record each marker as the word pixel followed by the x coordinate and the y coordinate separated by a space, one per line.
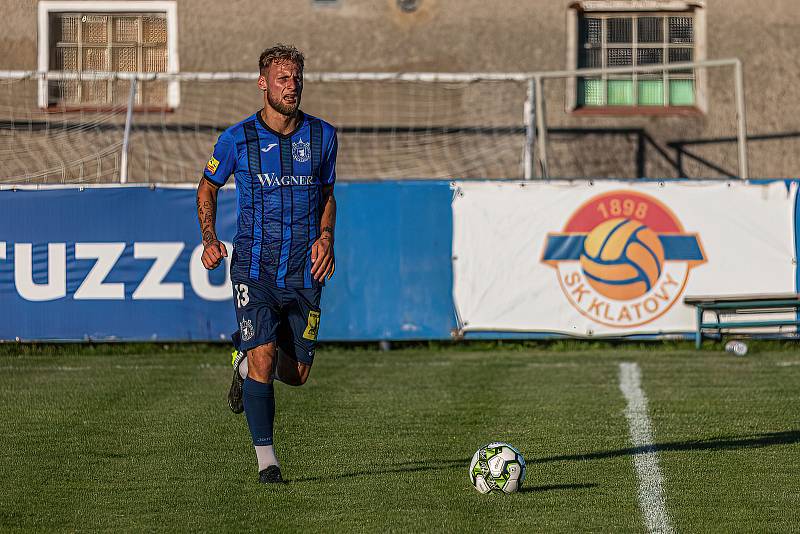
pixel 123 263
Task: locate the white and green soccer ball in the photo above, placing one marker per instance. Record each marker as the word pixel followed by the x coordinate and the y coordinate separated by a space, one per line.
pixel 497 468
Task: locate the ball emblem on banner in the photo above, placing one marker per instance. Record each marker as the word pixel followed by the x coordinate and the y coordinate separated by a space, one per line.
pixel 622 259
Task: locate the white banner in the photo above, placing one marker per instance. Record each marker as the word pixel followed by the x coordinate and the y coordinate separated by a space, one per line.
pixel 614 258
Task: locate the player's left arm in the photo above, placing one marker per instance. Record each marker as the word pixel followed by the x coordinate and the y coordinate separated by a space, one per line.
pixel 322 257
pixel 322 261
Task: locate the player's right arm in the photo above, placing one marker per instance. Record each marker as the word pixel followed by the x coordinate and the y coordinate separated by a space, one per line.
pixel 216 173
pixel 213 249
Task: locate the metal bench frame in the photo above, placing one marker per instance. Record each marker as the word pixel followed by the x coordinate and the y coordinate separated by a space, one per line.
pixel 722 306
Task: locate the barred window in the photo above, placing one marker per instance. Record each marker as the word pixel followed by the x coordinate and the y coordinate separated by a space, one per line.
pixel 626 40
pixel 107 42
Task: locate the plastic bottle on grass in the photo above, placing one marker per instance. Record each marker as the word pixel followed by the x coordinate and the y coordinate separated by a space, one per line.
pixel 737 347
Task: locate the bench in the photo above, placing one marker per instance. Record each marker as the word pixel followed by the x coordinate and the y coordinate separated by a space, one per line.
pixel 723 307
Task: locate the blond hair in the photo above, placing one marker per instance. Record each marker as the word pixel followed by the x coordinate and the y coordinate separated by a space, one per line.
pixel 280 53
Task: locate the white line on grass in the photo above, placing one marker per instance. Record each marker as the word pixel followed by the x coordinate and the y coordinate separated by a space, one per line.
pixel 651 496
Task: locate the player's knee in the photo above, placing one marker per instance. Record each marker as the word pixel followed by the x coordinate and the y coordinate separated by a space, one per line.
pixel 259 364
pixel 260 373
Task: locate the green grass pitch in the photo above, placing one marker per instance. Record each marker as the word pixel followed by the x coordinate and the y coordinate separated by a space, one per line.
pixel 131 438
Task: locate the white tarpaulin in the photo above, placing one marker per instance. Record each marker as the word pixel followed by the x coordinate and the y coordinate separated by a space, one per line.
pixel 614 258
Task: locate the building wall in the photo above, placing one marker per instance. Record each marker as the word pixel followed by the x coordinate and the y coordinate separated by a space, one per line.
pixel 508 36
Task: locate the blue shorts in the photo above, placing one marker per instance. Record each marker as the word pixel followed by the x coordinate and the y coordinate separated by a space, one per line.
pixel 288 316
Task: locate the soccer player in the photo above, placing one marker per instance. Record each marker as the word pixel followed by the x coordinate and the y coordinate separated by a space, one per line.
pixel 284 164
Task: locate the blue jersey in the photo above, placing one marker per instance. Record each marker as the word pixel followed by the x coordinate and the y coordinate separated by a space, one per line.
pixel 279 180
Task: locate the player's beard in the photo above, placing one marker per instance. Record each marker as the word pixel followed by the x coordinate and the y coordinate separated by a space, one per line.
pixel 277 104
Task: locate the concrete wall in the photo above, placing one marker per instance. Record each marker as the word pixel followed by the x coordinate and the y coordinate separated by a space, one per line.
pixel 509 35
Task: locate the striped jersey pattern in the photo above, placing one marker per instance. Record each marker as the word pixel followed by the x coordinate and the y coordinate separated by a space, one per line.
pixel 279 180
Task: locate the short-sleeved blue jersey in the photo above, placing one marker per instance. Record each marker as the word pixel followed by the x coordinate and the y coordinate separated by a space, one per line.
pixel 279 180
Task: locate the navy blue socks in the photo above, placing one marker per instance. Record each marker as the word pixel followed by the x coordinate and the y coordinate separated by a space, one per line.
pixel 259 407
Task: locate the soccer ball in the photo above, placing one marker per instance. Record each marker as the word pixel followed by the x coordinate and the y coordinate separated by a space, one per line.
pixel 497 468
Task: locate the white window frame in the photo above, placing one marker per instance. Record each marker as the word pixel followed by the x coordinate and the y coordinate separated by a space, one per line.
pixel 696 7
pixel 169 7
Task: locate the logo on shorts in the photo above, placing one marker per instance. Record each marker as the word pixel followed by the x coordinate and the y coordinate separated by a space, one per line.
pixel 312 328
pixel 246 329
pixel 301 151
pixel 623 258
pixel 212 165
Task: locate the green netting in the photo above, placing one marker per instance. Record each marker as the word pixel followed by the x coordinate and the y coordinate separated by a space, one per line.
pixel 651 93
pixel 681 92
pixel 620 92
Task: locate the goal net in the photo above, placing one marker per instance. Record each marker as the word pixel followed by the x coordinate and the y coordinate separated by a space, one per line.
pixel 391 128
pixel 98 127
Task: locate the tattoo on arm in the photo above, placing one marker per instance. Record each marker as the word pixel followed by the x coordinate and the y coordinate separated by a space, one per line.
pixel 207 214
pixel 328 218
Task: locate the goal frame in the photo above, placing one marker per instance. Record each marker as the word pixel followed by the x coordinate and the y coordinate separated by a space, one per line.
pixel 535 123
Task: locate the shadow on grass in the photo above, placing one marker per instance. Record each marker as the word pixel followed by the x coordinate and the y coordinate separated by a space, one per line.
pixel 402 467
pixel 722 443
pixel 412 467
pixel 552 487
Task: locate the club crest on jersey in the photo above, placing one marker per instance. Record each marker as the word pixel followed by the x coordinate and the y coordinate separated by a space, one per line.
pixel 301 151
pixel 623 258
pixel 246 329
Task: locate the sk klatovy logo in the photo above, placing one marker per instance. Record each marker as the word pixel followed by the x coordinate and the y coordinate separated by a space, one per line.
pixel 623 258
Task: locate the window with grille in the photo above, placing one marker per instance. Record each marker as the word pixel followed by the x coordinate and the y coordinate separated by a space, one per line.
pixel 103 42
pixel 626 40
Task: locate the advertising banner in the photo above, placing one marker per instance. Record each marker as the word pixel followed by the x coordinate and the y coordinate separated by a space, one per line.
pixel 614 258
pixel 110 263
pixel 123 263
